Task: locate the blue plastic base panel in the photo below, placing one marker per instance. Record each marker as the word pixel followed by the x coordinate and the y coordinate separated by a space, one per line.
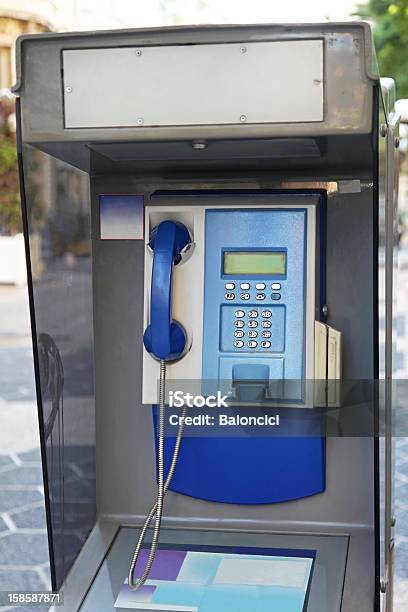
pixel 247 470
pixel 209 579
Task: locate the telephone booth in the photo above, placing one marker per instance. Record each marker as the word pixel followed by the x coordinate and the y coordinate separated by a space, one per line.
pixel 210 228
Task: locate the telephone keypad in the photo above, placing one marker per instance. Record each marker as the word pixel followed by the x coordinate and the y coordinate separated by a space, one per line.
pixel 236 324
pixel 251 291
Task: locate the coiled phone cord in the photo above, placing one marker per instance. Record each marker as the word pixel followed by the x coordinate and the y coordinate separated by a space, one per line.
pixel 162 487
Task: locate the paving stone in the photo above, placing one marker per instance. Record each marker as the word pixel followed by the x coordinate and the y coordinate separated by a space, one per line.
pixel 79 454
pixel 401 559
pixel 401 445
pixel 401 491
pixel 16 374
pixel 6 460
pixel 23 549
pixel 12 500
pixel 88 468
pixel 27 475
pixel 32 455
pixel 399 360
pixel 80 488
pixel 34 518
pixel 400 325
pixel 20 580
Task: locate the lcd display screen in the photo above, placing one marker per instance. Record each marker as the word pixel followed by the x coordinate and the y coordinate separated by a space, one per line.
pixel 237 263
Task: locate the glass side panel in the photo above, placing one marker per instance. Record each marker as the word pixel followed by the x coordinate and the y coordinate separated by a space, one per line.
pixel 58 220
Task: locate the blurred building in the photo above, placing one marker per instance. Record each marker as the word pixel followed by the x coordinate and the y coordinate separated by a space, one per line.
pixel 25 17
pixel 29 16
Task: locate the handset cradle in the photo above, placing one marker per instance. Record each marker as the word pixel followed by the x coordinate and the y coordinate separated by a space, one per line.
pixel 165 338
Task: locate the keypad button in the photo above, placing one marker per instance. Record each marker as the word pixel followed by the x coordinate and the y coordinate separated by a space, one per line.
pixel 229 296
pixel 265 344
pixel 230 286
pixel 276 296
pixel 252 344
pixel 239 323
pixel 276 286
pixel 252 323
pixel 265 334
pixel 266 314
pixel 265 324
pixel 253 314
pixel 239 314
pixel 238 344
pixel 245 296
pixel 260 286
pixel 260 296
pixel 245 286
pixel 239 333
pixel 252 333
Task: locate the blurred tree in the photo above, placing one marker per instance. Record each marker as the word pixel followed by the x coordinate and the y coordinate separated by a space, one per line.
pixel 390 20
pixel 10 214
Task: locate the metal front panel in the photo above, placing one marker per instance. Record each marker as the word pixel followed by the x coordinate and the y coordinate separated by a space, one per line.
pixel 278 229
pixel 208 84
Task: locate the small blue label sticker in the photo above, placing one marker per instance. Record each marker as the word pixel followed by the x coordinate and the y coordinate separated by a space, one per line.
pixel 121 217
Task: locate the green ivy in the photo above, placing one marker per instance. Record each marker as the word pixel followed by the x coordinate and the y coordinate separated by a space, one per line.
pixel 10 212
pixel 390 21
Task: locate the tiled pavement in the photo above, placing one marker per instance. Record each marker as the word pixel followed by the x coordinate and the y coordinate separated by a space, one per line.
pixel 24 561
pixel 401 443
pixel 401 511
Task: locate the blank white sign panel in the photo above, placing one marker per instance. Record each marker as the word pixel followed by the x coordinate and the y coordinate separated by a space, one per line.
pixel 265 82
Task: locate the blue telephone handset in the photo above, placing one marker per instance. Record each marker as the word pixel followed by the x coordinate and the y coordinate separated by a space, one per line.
pixel 165 338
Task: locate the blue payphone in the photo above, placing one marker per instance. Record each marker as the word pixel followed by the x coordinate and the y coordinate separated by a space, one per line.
pixel 254 307
pixel 253 258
